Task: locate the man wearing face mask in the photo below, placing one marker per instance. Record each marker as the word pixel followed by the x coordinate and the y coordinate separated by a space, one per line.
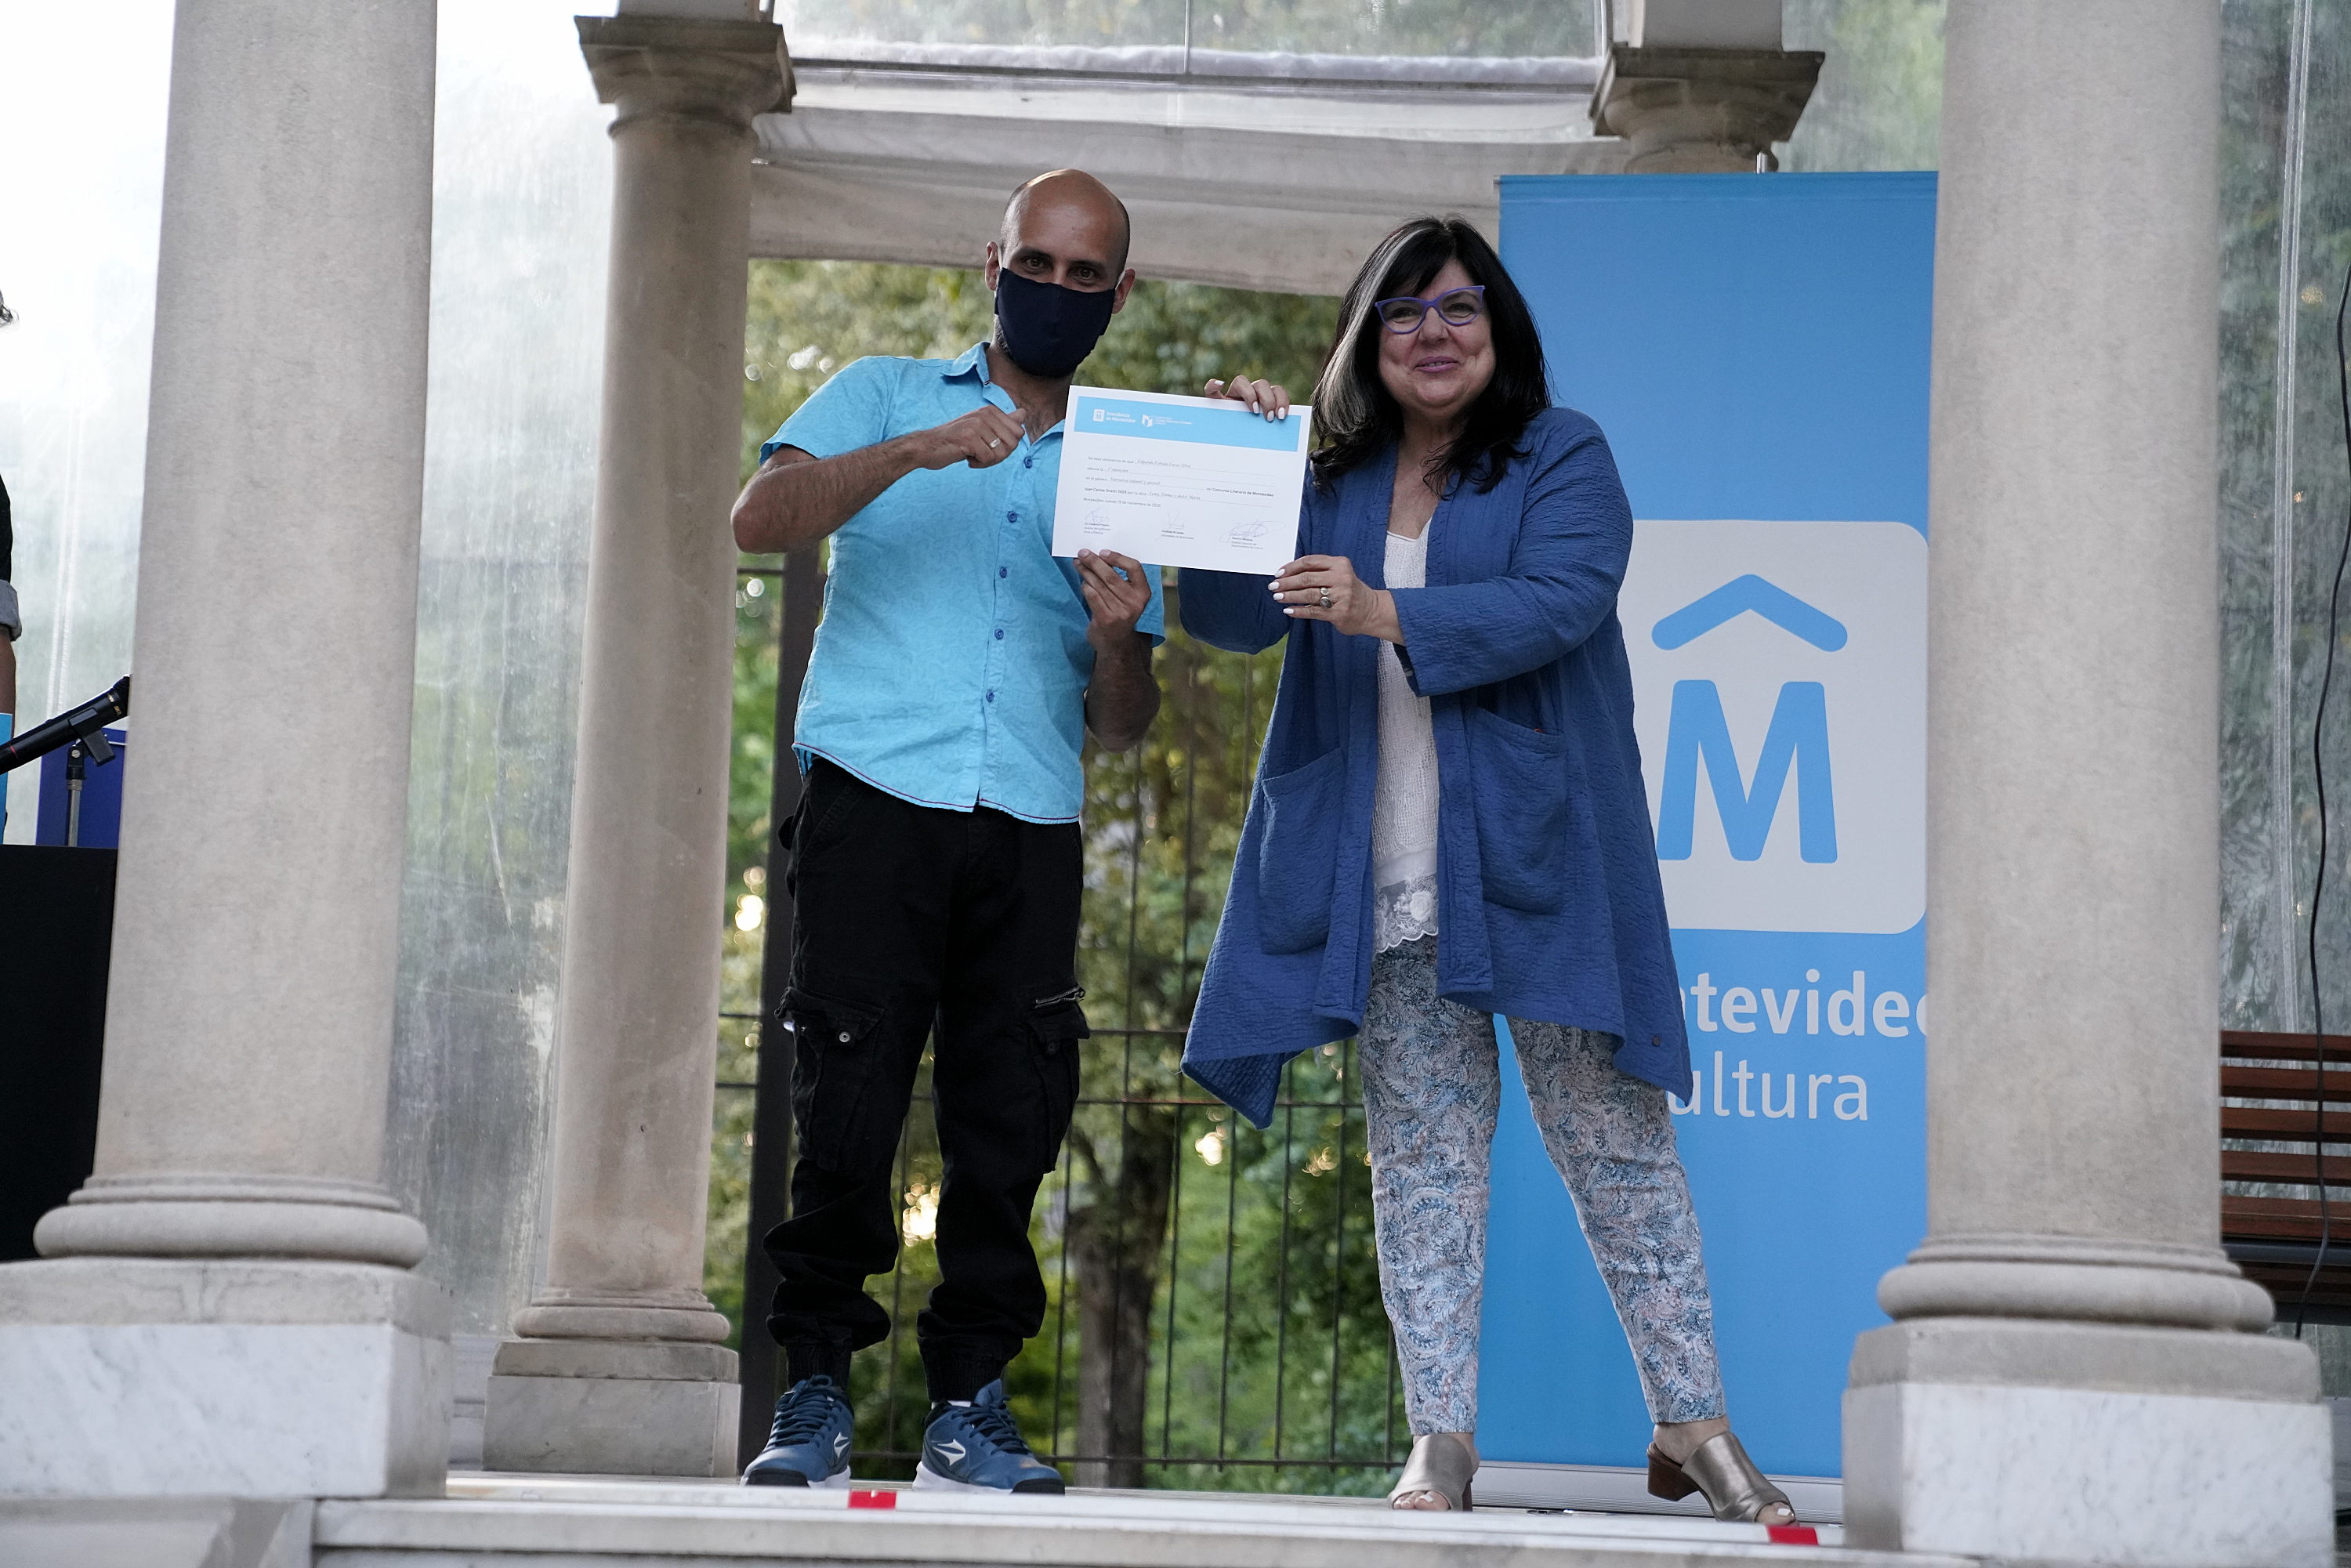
pixel 936 857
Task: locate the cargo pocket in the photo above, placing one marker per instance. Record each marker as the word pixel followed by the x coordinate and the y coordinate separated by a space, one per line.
pixel 832 1070
pixel 1056 1024
pixel 1519 780
pixel 1297 856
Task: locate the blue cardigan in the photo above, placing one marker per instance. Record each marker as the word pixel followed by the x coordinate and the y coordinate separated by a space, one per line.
pixel 1549 904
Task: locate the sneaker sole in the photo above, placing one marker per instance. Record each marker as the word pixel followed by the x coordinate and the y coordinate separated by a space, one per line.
pixel 929 1480
pixel 839 1482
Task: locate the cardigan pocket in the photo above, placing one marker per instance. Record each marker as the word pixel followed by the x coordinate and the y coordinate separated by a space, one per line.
pixel 1518 780
pixel 1297 856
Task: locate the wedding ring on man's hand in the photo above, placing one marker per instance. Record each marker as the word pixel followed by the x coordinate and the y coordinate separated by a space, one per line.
pixel 993 443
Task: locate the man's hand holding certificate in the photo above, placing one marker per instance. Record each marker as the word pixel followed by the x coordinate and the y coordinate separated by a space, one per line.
pixel 1180 481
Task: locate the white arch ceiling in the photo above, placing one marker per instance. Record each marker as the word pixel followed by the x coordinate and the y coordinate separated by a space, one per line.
pixel 1258 168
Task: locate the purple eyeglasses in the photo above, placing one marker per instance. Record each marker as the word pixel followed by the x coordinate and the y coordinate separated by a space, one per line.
pixel 1455 307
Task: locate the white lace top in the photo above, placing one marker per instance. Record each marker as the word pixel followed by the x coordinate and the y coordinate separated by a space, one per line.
pixel 1404 810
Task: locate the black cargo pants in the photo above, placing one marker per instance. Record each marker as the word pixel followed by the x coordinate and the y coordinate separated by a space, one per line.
pixel 911 922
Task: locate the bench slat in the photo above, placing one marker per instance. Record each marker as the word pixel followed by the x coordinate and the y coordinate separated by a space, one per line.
pixel 2285 1084
pixel 2245 1164
pixel 2280 1219
pixel 2263 1044
pixel 2276 1122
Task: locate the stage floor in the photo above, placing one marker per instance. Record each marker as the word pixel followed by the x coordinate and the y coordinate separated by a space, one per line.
pixel 584 1521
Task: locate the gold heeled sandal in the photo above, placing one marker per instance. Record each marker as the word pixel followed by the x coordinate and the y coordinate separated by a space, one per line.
pixel 1719 1468
pixel 1441 1462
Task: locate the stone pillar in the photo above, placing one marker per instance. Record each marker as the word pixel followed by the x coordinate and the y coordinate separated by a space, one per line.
pixel 226 1308
pixel 1700 86
pixel 619 1368
pixel 2075 1373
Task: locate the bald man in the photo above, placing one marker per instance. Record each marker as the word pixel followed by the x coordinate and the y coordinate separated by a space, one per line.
pixel 936 858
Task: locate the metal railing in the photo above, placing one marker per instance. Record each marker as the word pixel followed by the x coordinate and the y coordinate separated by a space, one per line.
pixel 1212 1318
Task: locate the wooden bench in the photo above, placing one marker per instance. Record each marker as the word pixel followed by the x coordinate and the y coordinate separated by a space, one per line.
pixel 2275 1239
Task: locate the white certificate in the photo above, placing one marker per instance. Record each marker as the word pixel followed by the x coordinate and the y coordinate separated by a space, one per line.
pixel 1180 481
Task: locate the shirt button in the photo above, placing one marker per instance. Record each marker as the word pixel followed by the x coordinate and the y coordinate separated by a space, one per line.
pixel 999 633
pixel 1002 572
pixel 845 1037
pixel 992 697
pixel 1027 463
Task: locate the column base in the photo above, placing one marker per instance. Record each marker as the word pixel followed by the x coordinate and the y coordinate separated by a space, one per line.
pixel 2044 1443
pixel 613 1408
pixel 232 1217
pixel 127 1377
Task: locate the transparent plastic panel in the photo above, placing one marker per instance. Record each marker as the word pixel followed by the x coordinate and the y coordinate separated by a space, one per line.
pixel 1082 24
pixel 2259 918
pixel 77 236
pixel 522 178
pixel 1879 104
pixel 2284 506
pixel 1482 28
pixel 2311 503
pixel 1475 29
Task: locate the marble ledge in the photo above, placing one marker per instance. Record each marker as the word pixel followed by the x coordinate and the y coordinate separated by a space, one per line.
pixel 178 1410
pixel 2028 1476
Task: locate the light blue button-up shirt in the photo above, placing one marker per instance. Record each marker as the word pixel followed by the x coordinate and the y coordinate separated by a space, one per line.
pixel 951 665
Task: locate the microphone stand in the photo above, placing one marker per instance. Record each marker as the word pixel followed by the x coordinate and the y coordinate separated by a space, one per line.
pixel 95 749
pixel 82 731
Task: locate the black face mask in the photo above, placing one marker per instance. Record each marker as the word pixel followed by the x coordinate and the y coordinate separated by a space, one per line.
pixel 1049 329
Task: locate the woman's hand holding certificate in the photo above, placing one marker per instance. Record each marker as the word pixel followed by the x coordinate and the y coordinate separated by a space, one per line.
pixel 1326 588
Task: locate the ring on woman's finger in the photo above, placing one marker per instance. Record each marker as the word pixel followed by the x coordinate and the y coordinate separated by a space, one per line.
pixel 1326 598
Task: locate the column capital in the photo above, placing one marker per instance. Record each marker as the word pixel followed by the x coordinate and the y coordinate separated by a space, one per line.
pixel 1695 111
pixel 725 72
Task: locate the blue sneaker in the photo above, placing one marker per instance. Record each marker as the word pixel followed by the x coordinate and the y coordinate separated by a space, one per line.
pixel 977 1448
pixel 808 1445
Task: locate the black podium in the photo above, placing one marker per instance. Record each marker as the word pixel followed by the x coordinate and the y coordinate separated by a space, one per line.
pixel 56 923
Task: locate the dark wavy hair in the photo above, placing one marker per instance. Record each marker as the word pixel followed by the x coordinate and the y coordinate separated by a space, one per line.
pixel 1357 416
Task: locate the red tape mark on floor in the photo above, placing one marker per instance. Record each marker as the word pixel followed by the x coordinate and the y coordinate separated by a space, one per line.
pixel 1794 1534
pixel 873 1499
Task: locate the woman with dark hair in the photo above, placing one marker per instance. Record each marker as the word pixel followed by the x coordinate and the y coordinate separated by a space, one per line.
pixel 1449 823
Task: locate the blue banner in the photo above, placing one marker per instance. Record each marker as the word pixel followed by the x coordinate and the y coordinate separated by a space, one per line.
pixel 1756 348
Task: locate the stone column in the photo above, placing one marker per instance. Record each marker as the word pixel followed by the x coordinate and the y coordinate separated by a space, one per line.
pixel 619 1368
pixel 1701 87
pixel 2075 1373
pixel 226 1307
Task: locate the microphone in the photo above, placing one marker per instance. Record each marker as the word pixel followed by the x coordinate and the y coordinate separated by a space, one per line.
pixel 87 722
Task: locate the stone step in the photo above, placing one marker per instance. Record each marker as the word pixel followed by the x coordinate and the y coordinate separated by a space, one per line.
pixel 510 1522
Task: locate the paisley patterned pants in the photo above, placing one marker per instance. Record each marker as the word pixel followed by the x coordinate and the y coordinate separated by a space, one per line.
pixel 1432 1089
